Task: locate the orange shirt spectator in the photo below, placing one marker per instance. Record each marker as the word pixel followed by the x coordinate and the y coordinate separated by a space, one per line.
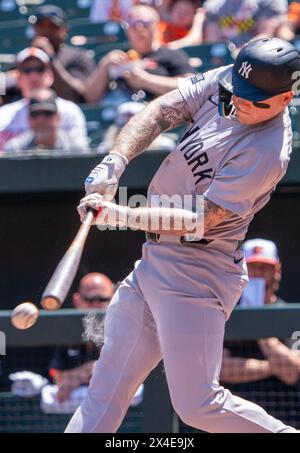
pixel 169 32
pixel 181 17
pixel 294 16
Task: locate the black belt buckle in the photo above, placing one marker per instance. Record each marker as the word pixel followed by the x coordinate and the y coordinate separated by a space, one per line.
pixel 154 237
pixel 201 241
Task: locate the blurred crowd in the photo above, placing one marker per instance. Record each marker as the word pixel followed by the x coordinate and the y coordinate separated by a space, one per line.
pixel 53 83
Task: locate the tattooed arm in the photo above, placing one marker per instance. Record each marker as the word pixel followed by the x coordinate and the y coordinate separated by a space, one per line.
pixel 162 220
pixel 164 113
pixel 178 221
pixel 214 215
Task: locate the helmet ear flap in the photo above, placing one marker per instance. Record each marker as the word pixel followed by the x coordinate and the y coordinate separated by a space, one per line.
pixel 225 105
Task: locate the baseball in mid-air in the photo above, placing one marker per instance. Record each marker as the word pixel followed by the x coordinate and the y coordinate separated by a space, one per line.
pixel 24 315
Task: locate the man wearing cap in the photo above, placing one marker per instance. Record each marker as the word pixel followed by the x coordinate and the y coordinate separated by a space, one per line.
pixel 175 303
pixel 45 127
pixel 35 75
pixel 71 365
pixel 70 65
pixel 261 369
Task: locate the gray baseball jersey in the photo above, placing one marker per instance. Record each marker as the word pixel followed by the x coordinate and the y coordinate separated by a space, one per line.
pixel 233 165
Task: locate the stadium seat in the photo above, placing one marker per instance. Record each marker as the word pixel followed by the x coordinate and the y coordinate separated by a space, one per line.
pixel 7 61
pixel 209 55
pixel 74 8
pixel 100 51
pixel 15 37
pixel 98 118
pixel 86 33
pixel 294 109
pixel 9 11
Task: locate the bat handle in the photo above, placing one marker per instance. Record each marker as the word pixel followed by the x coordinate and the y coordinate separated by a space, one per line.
pixel 91 215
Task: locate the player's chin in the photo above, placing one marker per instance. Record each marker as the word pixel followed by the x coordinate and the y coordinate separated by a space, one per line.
pixel 245 118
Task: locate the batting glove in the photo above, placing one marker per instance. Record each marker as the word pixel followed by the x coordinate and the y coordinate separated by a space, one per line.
pixel 104 179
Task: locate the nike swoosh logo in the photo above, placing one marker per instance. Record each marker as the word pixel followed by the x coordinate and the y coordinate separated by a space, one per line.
pixel 237 261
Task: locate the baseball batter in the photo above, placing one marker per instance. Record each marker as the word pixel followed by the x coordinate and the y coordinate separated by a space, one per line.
pixel 175 303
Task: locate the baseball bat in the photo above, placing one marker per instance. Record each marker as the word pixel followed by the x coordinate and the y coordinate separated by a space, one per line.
pixel 59 284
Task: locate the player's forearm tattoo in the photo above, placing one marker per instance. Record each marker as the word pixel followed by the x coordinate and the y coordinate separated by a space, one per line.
pixel 164 113
pixel 173 110
pixel 214 215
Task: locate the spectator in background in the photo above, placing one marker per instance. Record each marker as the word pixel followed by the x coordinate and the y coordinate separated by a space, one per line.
pixel 69 64
pixel 162 7
pixel 124 112
pixel 294 18
pixel 144 72
pixel 184 25
pixel 239 21
pixel 266 370
pixel 116 10
pixel 35 74
pixel 45 127
pixel 291 27
pixel 72 366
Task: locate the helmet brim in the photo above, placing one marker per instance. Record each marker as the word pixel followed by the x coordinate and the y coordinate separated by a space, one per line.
pixel 240 87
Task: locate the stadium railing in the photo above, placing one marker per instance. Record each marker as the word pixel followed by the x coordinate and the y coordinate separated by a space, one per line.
pixel 155 413
pixel 56 171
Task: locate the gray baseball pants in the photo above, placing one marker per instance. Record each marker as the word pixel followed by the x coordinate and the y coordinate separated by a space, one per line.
pixel 174 306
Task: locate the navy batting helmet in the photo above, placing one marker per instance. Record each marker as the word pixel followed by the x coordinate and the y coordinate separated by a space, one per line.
pixel 263 68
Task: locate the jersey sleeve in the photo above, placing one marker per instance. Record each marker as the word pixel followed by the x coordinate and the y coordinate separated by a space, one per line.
pixel 198 88
pixel 243 180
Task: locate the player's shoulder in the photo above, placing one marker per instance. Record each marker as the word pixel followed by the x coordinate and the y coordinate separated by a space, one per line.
pixel 202 80
pixel 197 89
pixel 210 77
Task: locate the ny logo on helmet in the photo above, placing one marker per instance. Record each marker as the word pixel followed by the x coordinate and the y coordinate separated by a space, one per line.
pixel 245 69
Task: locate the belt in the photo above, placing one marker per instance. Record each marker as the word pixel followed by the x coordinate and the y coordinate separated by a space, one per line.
pixel 154 237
